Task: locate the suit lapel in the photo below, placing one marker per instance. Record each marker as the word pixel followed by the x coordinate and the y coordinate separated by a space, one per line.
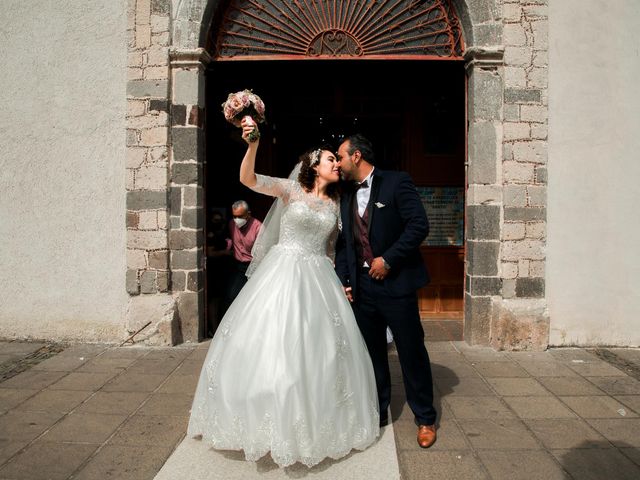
pixel 376 180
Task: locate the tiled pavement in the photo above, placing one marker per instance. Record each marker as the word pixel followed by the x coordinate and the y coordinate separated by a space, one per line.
pixel 96 412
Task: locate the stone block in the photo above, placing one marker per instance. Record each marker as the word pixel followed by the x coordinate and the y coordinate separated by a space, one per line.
pixel 148 220
pixel 148 282
pixel 517 56
pixel 159 24
pixel 485 95
pixel 161 311
pixel 143 36
pixel 185 239
pixel 524 214
pixel 540 174
pixel 132 220
pixel 540 58
pixel 477 315
pixel 162 219
pixel 485 286
pixel 194 281
pixel 147 88
pixel 156 105
pixel 188 87
pixel 528 249
pixel 193 196
pixel 512 12
pixel 537 195
pixel 193 218
pixel 520 325
pixel 132 138
pixel 179 115
pixel 539 131
pixel 135 157
pixel 163 281
pixel 488 34
pixel 190 309
pixel 159 259
pixel 151 178
pixel 160 7
pixel 482 258
pixel 135 108
pixel 159 38
pixel 534 113
pixel 516 172
pixel 146 200
pixel 158 56
pixel 175 222
pixel 511 113
pixel 146 239
pixel 515 195
pixel 523 268
pixel 513 231
pixel 175 200
pixel 537 268
pixel 516 131
pixel 154 136
pixel 136 259
pixel 537 77
pixel 509 288
pixel 187 143
pixel 156 73
pixel 133 287
pixel 484 194
pixel 186 259
pixel 521 95
pixel 483 222
pixel 186 173
pixel 530 287
pixel 515 77
pixel 480 11
pixel 514 35
pixel 535 12
pixel 510 270
pixel 135 73
pixel 178 281
pixel 482 153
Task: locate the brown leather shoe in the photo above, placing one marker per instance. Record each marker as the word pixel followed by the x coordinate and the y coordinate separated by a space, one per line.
pixel 426 435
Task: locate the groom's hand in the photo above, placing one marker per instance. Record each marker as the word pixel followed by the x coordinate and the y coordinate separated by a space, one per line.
pixel 349 293
pixel 378 270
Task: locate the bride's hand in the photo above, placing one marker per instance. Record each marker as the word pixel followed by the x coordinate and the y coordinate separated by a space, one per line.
pixel 248 127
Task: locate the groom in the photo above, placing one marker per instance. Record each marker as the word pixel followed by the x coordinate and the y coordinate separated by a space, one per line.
pixel 379 263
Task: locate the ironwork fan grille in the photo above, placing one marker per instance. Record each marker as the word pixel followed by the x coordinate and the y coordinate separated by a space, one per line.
pixel 271 29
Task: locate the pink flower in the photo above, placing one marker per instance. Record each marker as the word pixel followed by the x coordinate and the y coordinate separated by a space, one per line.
pixel 243 103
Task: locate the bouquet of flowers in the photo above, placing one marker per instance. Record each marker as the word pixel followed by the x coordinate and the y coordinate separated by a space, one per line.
pixel 244 104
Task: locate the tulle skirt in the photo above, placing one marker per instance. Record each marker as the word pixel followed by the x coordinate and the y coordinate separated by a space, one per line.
pixel 287 371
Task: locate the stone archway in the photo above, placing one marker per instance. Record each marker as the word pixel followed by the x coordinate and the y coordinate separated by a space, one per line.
pixel 505 54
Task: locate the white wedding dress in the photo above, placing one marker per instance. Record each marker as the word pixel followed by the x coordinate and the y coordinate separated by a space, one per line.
pixel 287 371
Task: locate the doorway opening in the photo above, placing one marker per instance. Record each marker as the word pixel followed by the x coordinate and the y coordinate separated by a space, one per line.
pixel 416 122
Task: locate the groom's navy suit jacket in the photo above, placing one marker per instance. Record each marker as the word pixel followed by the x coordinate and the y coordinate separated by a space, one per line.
pixel 397 226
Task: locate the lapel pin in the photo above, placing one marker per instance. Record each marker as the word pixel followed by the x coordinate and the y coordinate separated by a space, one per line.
pixel 380 205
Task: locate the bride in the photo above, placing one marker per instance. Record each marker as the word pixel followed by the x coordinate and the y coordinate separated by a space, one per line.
pixel 287 371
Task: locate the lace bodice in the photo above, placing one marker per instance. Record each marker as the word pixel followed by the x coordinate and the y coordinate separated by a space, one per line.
pixel 309 224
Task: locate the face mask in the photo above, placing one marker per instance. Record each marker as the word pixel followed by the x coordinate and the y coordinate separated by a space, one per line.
pixel 240 222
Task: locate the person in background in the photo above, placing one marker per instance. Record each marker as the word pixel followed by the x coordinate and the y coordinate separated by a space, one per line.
pixel 243 231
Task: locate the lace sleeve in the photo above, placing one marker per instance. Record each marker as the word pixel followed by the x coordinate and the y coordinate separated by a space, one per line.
pixel 333 238
pixel 273 186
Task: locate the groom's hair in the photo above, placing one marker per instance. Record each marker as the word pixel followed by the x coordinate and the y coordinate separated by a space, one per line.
pixel 360 142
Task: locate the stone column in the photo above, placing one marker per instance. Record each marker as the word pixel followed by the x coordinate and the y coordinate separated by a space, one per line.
pixel 483 282
pixel 186 234
pixel 147 163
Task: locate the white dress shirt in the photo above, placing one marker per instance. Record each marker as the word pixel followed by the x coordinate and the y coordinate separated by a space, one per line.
pixel 364 194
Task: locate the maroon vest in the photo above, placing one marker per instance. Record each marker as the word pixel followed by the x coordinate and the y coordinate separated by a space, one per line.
pixel 361 235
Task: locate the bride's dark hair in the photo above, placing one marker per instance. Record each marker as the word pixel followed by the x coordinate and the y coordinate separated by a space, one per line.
pixel 307 175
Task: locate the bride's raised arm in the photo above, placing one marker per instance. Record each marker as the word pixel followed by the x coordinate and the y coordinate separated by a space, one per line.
pixel 248 165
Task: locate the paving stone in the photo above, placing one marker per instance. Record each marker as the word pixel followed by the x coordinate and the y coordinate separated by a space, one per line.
pixel 17 426
pixel 103 364
pixel 20 348
pixel 154 366
pixel 481 354
pixel 32 380
pixel 125 352
pixel 598 407
pixel 596 369
pixel 499 434
pixel 62 401
pixel 614 385
pixel 547 369
pixel 596 464
pixel 440 347
pixel 499 369
pixel 466 387
pixel 461 465
pixel 565 433
pixel 180 384
pixel 134 382
pixel 125 462
pixel 453 370
pixel 632 454
pixel 630 354
pixel 531 356
pixel 479 408
pixel 570 386
pixel 572 355
pixel 168 404
pixel 46 461
pixel 83 381
pixel 10 358
pixel 189 367
pixel 86 428
pixel 620 432
pixel 10 397
pixel 151 430
pixel 509 387
pixel 631 401
pixel 58 363
pixel 525 465
pixel 8 448
pixel 123 403
pixel 539 407
pixel 83 350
